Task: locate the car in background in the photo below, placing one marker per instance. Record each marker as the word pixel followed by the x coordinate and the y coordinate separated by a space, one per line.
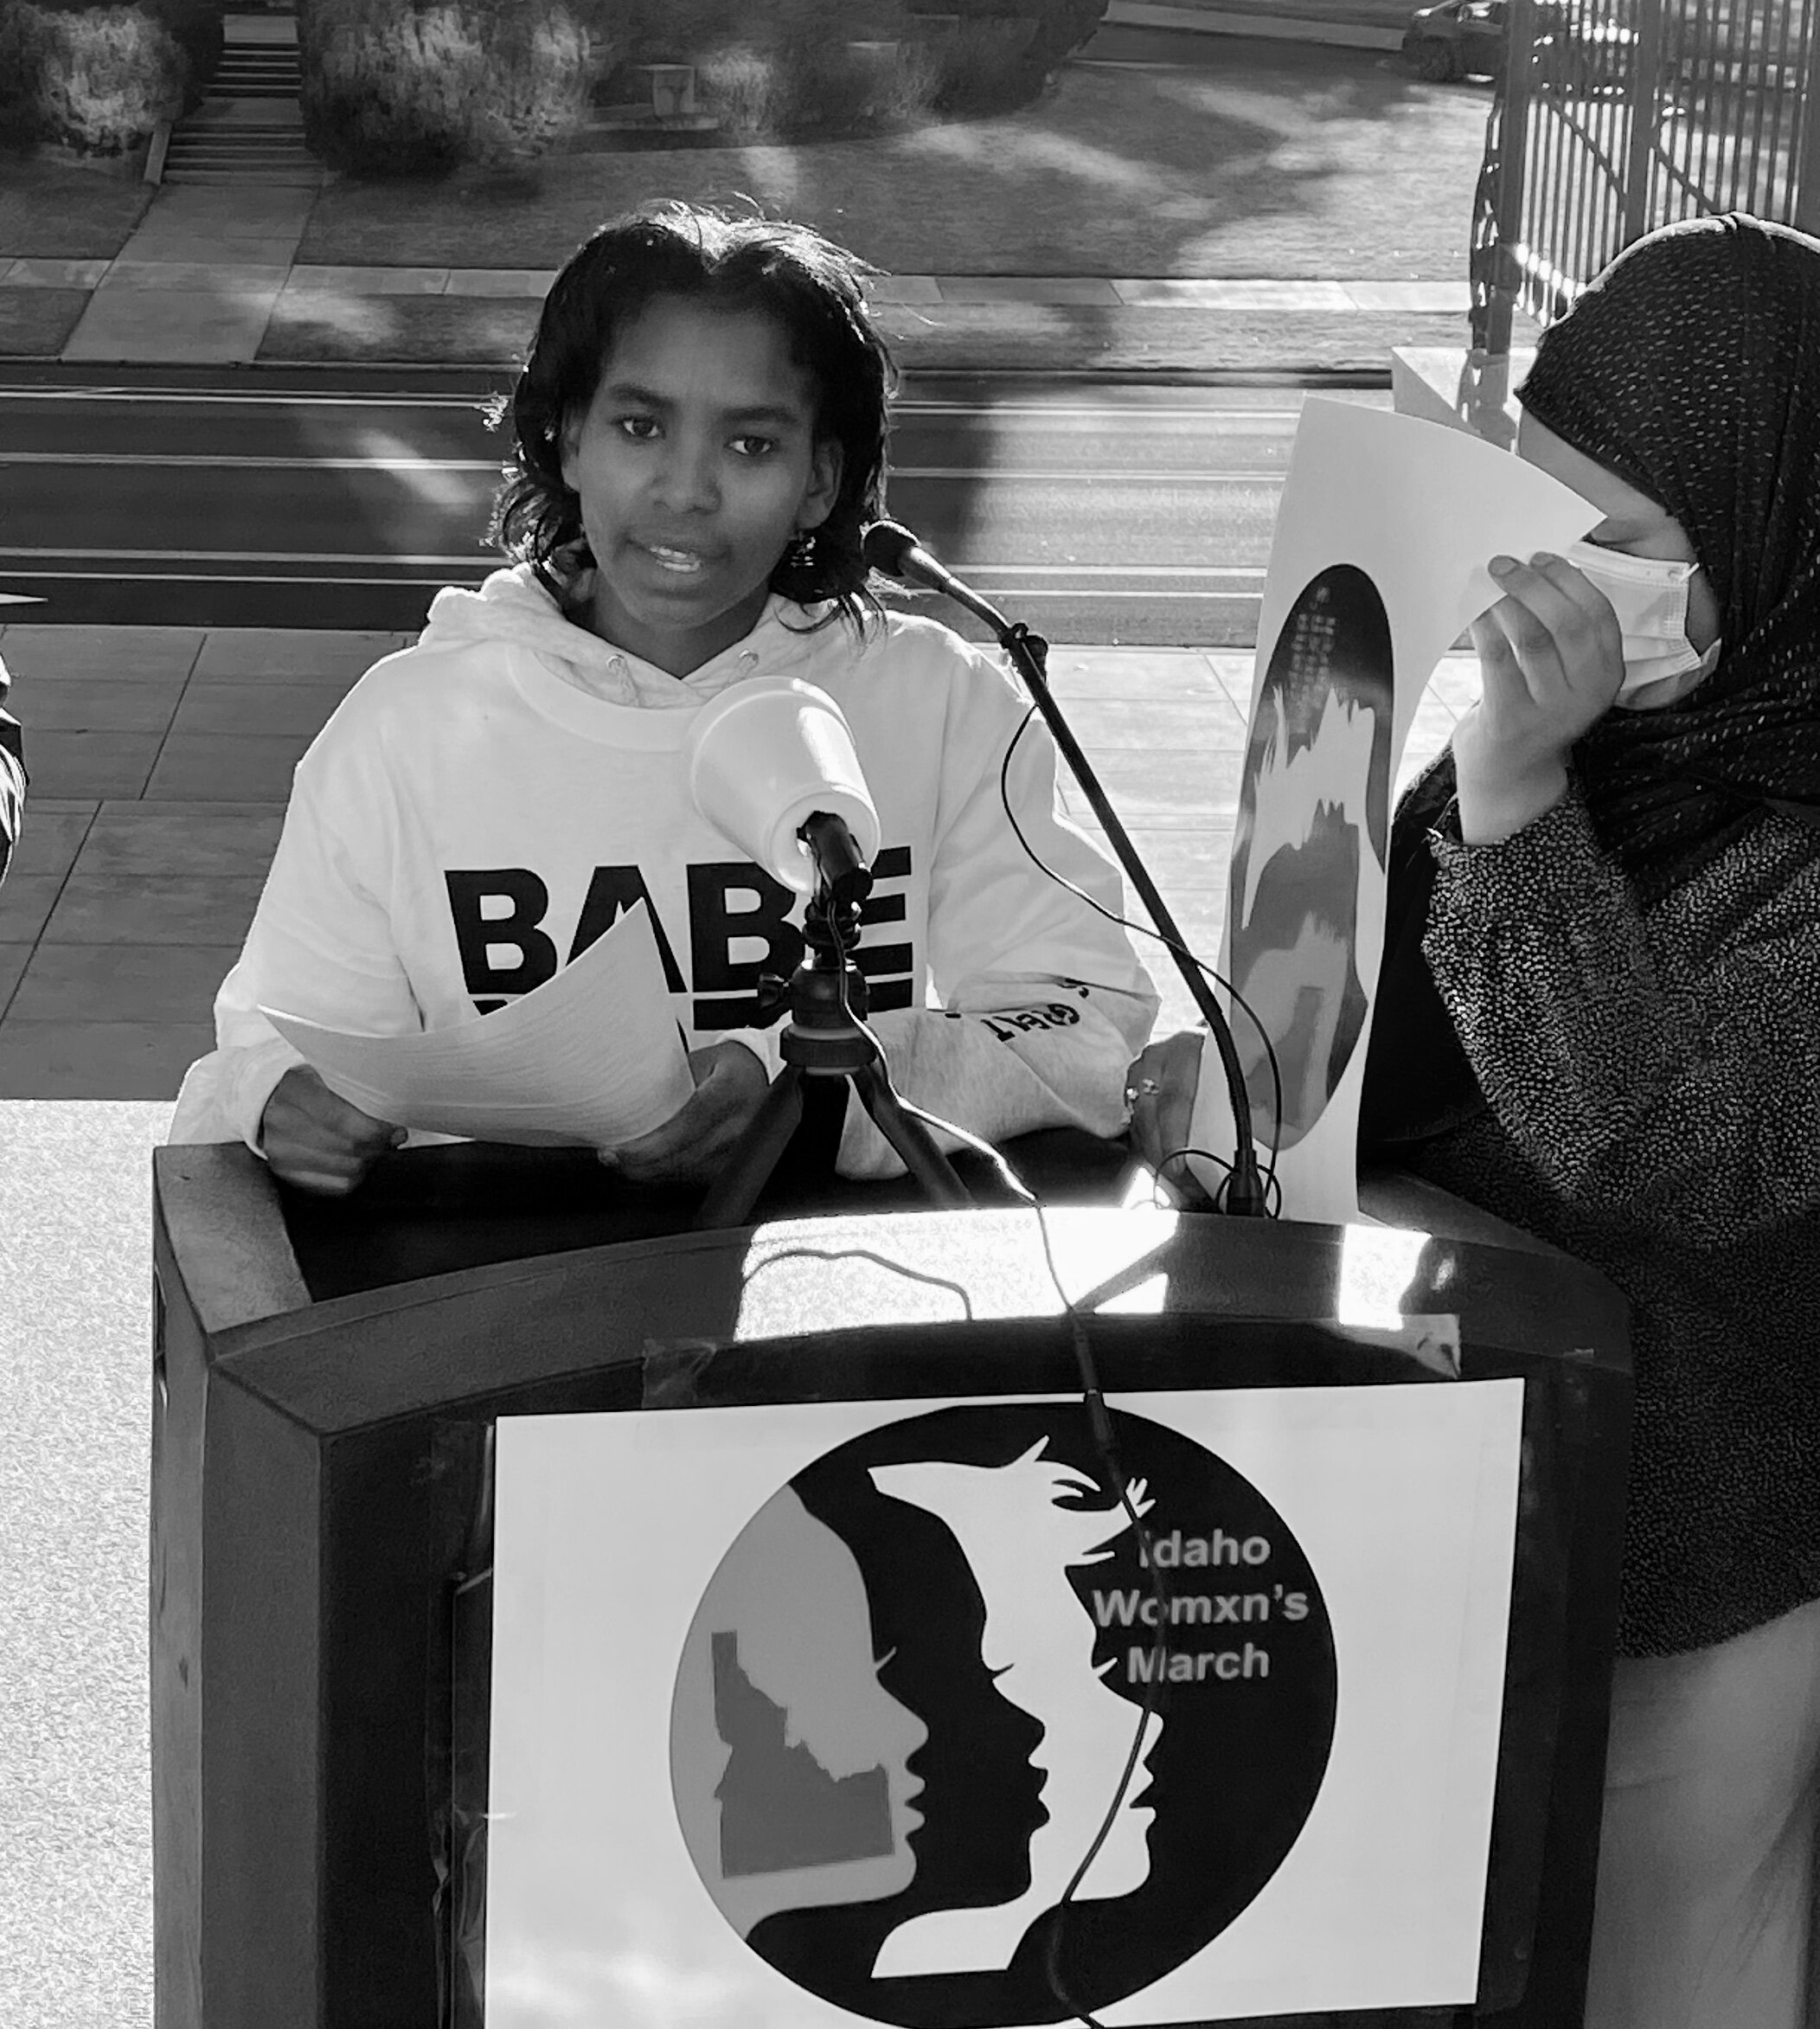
pixel 1576 51
pixel 1456 39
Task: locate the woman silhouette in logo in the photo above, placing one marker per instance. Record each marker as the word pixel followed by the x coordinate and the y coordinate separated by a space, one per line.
pixel 1020 1542
pixel 789 1760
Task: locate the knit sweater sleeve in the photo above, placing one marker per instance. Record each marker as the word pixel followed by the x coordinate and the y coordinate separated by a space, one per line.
pixel 1670 1083
pixel 1043 1002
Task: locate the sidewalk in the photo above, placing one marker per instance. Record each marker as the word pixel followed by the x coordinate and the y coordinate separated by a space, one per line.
pixel 210 277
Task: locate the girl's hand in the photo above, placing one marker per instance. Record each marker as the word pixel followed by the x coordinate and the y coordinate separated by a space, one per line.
pixel 692 1145
pixel 315 1141
pixel 1551 660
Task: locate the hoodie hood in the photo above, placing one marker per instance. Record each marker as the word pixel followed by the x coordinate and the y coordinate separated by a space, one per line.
pixel 512 608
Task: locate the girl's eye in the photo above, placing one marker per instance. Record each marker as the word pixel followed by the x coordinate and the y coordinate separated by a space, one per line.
pixel 754 446
pixel 638 428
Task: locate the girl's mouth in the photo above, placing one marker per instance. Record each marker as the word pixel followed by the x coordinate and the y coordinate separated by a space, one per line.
pixel 682 561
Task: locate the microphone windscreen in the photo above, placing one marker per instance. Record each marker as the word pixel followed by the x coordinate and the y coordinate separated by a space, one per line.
pixel 885 548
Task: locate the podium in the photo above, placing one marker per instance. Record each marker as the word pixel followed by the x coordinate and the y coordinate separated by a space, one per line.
pixel 327 1376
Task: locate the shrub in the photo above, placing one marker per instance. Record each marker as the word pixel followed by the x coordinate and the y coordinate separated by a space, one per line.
pixel 838 87
pixel 98 79
pixel 395 90
pixel 745 89
pixel 989 63
pixel 829 85
pixel 912 86
pixel 534 85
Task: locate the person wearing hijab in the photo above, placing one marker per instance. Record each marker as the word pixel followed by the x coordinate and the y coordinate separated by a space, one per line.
pixel 1598 1018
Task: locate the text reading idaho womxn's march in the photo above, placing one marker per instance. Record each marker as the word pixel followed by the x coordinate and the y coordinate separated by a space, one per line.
pixel 928 1664
pixel 1138 1607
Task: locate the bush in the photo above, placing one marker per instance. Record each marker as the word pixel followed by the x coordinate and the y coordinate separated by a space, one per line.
pixel 390 91
pixel 534 88
pixel 98 79
pixel 989 63
pixel 773 68
pixel 745 89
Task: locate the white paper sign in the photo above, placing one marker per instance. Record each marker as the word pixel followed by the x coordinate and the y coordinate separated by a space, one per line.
pixel 807 1716
pixel 593 1056
pixel 1377 566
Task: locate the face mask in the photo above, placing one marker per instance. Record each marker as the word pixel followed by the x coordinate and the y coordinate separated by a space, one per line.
pixel 1650 596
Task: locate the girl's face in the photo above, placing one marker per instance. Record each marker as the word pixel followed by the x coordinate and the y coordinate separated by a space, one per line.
pixel 1636 525
pixel 696 464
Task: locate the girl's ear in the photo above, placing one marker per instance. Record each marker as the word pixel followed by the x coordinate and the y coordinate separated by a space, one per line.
pixel 824 489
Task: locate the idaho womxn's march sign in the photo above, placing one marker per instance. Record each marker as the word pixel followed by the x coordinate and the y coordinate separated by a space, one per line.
pixel 819 1714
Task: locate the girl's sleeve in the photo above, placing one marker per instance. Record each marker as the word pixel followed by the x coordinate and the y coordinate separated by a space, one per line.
pixel 1044 1002
pixel 321 946
pixel 1684 1096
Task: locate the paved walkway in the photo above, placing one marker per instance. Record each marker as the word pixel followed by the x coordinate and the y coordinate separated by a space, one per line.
pixel 202 275
pixel 161 759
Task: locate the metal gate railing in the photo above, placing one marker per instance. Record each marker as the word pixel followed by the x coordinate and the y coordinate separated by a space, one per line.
pixel 1614 117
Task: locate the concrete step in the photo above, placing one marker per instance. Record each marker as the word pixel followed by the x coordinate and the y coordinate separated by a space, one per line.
pixel 235 159
pixel 233 81
pixel 289 179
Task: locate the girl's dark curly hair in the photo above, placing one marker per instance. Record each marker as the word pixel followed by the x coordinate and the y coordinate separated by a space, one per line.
pixel 807 283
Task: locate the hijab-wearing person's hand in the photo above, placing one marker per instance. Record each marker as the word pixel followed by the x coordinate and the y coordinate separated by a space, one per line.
pixel 1551 661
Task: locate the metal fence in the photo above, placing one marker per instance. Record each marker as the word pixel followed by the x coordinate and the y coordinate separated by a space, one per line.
pixel 1613 116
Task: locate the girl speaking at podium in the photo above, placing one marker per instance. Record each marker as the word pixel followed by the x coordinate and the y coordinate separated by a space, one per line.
pixel 698 444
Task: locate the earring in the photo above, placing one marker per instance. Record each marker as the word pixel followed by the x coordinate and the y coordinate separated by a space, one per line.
pixel 800 556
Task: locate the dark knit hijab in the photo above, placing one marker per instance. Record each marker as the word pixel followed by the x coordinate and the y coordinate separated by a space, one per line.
pixel 1691 368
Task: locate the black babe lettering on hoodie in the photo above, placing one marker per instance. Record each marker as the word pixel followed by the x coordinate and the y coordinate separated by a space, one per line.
pixel 738 924
pixel 484 804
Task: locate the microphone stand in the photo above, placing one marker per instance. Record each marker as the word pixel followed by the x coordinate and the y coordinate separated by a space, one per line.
pixel 1243 1193
pixel 821 1039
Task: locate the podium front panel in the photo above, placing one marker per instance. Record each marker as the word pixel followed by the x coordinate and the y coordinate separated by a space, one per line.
pixel 304 1640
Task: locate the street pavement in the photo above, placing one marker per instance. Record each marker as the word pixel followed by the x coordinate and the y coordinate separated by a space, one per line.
pixel 1098 510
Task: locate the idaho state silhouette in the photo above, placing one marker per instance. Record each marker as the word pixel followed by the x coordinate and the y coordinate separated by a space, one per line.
pixel 906 1699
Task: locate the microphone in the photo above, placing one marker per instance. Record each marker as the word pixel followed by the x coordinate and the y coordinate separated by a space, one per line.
pixel 771 766
pixel 891 549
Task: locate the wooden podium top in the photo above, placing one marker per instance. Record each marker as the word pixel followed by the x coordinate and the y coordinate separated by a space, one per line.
pixel 659 1300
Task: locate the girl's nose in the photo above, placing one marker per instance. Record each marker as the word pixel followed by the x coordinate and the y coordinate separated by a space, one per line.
pixel 689 478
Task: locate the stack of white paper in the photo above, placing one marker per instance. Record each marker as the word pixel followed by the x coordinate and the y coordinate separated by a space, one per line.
pixel 593 1056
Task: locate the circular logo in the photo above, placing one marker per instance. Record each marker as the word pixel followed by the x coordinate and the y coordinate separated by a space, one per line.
pixel 928 1667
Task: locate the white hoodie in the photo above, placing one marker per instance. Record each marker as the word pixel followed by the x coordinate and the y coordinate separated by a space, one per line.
pixel 483 804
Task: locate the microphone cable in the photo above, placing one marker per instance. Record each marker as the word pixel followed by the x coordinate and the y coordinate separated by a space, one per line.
pixel 1100 1423
pixel 1271 1182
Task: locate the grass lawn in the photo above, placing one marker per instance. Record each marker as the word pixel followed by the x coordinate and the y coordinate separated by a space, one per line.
pixel 1266 159
pixel 35 323
pixel 54 210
